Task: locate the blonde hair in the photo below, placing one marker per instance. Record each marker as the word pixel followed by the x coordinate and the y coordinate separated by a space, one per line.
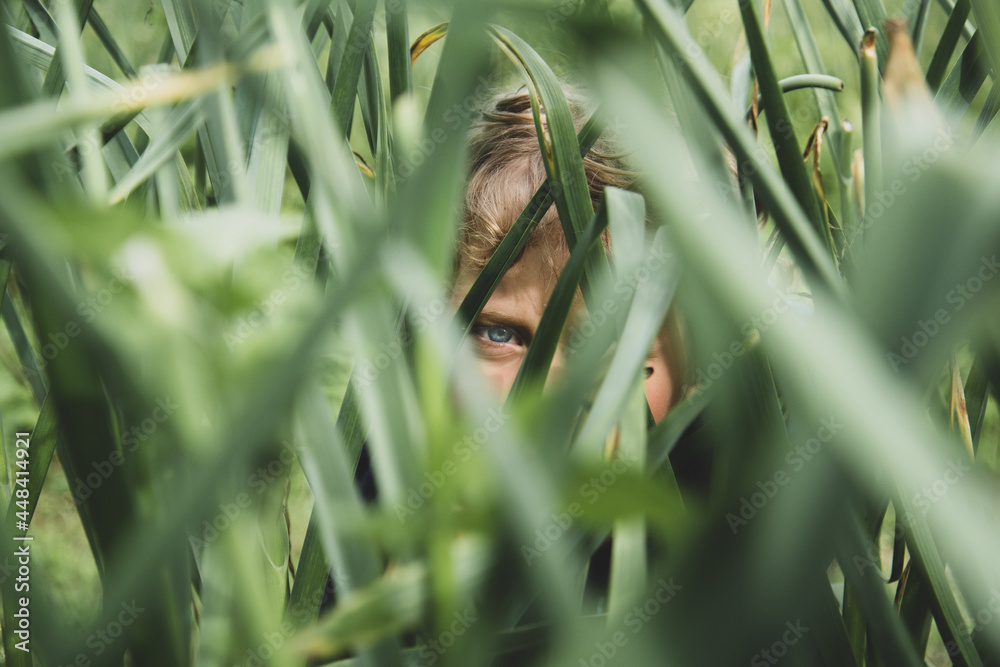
pixel 506 169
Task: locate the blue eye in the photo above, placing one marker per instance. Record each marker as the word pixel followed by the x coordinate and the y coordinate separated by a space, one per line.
pixel 496 334
pixel 499 334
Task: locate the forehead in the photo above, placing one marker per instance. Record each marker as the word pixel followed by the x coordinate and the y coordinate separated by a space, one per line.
pixel 525 288
pixel 536 270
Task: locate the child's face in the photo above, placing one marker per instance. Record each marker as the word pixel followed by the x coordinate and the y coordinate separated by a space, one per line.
pixel 510 318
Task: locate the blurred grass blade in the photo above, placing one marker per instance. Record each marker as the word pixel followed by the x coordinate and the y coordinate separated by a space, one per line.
pixel 338 44
pixel 628 548
pixel 690 115
pixel 384 609
pixel 93 175
pixel 175 131
pixel 977 393
pixel 338 508
pixel 425 210
pixel 268 145
pixel 645 316
pixel 668 431
pixel 854 622
pixel 55 78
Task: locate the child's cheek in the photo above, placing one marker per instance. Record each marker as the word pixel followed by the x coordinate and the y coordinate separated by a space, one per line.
pixel 500 374
pixel 659 389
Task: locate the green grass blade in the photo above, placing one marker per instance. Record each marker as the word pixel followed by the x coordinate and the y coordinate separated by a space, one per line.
pixel 914 609
pixel 917 17
pixel 370 96
pixel 988 18
pixel 846 18
pixel 385 169
pixel 871 119
pixel 379 611
pixel 941 597
pixel 42 20
pixel 947 43
pixel 110 44
pixel 557 139
pixel 311 574
pixel 268 145
pixel 668 431
pixel 182 26
pixel 989 111
pixel 834 644
pixel 39 55
pixel 962 84
pixel 397 36
pixel 690 115
pixel 336 193
pixel 891 639
pixel 345 89
pixel 872 14
pixel 786 145
pixel 25 352
pixel 338 45
pixel 43 444
pixel 534 369
pixel 949 6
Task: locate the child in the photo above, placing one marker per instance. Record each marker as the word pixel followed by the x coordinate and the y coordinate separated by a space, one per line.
pixel 506 169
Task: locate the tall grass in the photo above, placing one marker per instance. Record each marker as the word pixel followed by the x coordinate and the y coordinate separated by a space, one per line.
pixel 190 247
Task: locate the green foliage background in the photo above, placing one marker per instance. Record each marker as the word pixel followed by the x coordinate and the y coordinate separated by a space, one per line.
pixel 201 265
